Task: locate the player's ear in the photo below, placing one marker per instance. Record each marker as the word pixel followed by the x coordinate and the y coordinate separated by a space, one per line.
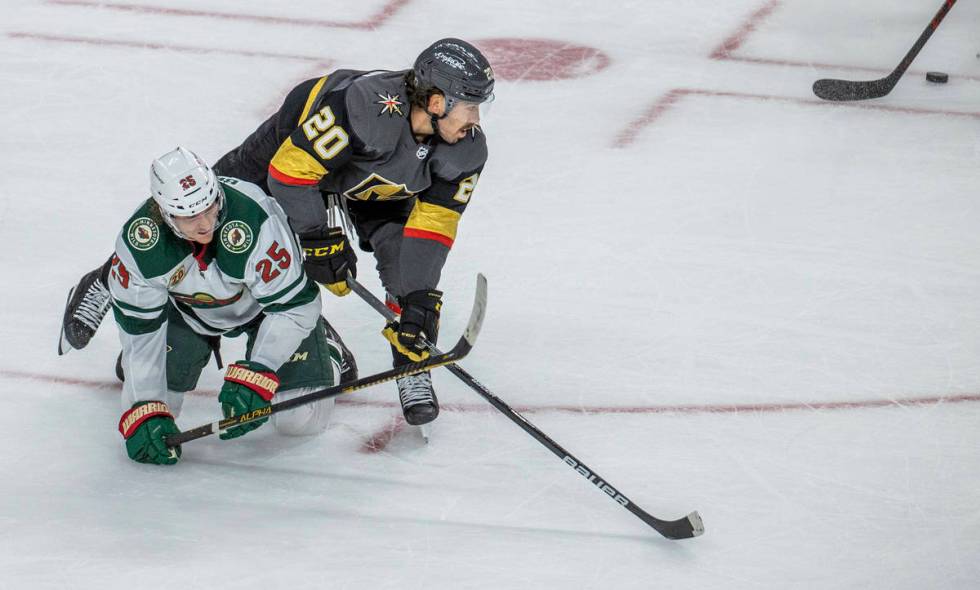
pixel 437 104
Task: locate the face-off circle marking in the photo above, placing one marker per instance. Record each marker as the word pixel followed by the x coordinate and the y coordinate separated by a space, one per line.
pixel 541 59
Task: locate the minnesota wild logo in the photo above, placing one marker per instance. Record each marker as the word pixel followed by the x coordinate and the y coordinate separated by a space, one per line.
pixel 143 233
pixel 390 104
pixel 205 299
pixel 236 237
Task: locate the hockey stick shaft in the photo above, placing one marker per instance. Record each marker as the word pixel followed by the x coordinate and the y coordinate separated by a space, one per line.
pixel 684 528
pixel 460 350
pixel 841 90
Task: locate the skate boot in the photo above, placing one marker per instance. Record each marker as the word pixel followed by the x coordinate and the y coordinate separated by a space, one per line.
pixel 348 366
pixel 419 402
pixel 88 302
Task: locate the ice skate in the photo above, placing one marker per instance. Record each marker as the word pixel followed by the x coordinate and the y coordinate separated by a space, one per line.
pixel 87 305
pixel 418 399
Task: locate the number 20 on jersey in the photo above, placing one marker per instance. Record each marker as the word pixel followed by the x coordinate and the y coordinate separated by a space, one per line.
pixel 328 138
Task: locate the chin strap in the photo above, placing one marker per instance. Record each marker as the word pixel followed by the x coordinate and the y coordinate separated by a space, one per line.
pixel 434 119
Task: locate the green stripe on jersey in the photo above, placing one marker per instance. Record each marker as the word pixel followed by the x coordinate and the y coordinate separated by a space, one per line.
pixel 137 326
pixel 308 294
pixel 124 305
pixel 274 296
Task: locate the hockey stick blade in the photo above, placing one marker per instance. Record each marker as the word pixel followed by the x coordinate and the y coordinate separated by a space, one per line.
pixel 684 528
pixel 843 90
pixel 459 351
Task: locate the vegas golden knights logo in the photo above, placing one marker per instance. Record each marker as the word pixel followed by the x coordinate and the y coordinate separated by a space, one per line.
pixel 378 188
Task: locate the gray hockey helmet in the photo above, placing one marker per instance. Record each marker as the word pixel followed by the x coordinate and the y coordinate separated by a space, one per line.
pixel 457 69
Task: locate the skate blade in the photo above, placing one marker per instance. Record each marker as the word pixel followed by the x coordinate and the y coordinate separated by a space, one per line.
pixel 63 345
pixel 424 432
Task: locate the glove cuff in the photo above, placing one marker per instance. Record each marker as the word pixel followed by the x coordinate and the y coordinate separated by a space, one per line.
pixel 430 299
pixel 323 232
pixel 140 413
pixel 264 382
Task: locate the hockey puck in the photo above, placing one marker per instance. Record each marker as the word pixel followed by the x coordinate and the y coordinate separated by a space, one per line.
pixel 937 77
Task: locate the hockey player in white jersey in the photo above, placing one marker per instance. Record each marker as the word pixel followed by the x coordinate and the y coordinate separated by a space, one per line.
pixel 400 154
pixel 207 257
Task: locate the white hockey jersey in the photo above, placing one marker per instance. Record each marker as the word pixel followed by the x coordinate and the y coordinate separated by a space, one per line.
pixel 253 265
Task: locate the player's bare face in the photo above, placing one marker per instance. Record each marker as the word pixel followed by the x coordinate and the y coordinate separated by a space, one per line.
pixel 460 121
pixel 199 228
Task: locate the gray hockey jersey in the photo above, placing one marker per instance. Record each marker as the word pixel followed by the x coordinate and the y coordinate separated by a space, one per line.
pixel 353 137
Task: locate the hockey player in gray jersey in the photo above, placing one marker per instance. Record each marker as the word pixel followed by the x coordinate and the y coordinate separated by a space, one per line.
pixel 206 257
pixel 400 153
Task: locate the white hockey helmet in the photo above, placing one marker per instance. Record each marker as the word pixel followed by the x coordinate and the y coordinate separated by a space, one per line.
pixel 183 186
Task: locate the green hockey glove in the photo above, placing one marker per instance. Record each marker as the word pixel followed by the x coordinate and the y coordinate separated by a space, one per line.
pixel 145 427
pixel 248 389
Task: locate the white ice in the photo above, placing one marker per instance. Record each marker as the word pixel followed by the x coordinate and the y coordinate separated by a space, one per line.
pixel 758 281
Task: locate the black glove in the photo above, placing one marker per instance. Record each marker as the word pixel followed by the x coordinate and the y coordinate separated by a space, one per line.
pixel 419 321
pixel 329 257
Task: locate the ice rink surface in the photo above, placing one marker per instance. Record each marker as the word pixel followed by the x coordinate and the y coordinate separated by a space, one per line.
pixel 717 290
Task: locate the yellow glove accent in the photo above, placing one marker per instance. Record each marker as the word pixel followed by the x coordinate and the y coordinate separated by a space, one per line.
pixel 392 336
pixel 339 288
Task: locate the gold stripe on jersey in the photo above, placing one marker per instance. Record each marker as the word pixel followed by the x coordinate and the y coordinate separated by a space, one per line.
pixel 291 165
pixel 427 218
pixel 309 99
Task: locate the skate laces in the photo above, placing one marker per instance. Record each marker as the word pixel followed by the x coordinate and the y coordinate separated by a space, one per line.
pixel 415 389
pixel 93 306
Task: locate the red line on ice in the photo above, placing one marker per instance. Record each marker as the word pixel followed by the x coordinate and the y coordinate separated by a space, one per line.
pixel 374 21
pixel 320 64
pixel 735 41
pixel 629 133
pixel 166 46
pixel 577 409
pixel 724 52
pixel 380 440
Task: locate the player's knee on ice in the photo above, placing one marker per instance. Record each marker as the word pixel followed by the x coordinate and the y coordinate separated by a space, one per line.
pixel 316 365
pixel 306 420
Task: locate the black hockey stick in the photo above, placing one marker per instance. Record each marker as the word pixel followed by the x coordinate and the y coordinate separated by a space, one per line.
pixel 832 89
pixel 684 528
pixel 462 348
